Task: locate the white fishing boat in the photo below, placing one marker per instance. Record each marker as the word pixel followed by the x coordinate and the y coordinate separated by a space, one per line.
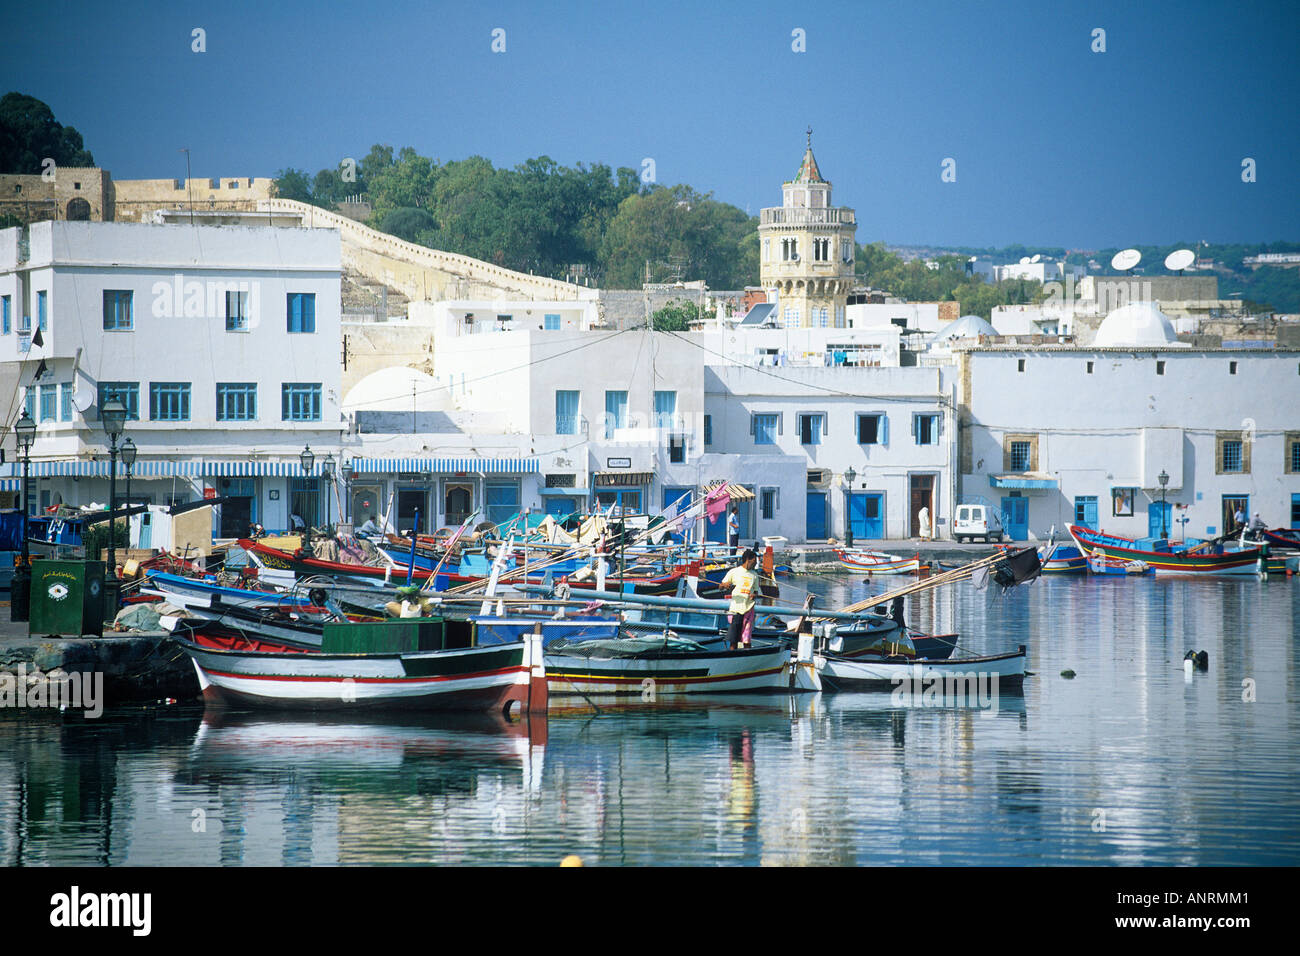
pixel 840 673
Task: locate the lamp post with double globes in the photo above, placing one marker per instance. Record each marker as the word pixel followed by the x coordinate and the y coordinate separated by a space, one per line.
pixel 20 590
pixel 113 415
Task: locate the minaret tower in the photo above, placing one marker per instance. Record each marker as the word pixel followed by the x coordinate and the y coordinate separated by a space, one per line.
pixel 806 249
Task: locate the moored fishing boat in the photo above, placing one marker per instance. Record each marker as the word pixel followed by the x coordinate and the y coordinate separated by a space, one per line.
pixel 840 673
pixel 1062 559
pixel 665 666
pixel 876 562
pixel 419 668
pixel 1285 538
pixel 1100 564
pixel 1187 561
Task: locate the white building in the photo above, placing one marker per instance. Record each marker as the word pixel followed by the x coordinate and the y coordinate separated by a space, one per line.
pixel 890 426
pixel 565 420
pixel 1064 434
pixel 223 342
pixel 1044 270
pixel 908 316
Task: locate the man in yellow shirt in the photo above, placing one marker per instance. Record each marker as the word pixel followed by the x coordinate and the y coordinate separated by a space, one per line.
pixel 742 582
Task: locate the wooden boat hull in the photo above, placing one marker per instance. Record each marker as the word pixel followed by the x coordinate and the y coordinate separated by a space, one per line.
pixel 669 673
pixel 839 673
pixel 477 678
pixel 1117 568
pixel 1198 564
pixel 870 563
pixel 1063 559
pixel 1287 540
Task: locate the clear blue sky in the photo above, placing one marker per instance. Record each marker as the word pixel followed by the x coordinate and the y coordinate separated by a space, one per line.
pixel 1054 144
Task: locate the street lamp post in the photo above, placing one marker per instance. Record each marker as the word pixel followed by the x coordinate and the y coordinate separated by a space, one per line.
pixel 346 472
pixel 1163 478
pixel 113 415
pixel 307 460
pixel 327 477
pixel 849 476
pixel 21 589
pixel 129 452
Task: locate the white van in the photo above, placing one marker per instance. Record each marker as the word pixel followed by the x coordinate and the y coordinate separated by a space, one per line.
pixel 977 521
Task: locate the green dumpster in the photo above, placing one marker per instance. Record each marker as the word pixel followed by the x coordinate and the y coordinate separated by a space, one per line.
pixel 67 598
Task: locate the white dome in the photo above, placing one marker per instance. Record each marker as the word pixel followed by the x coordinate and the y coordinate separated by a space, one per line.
pixel 967 327
pixel 1136 324
pixel 389 390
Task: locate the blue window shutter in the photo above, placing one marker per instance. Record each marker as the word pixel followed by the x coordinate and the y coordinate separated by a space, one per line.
pixel 309 313
pixel 883 436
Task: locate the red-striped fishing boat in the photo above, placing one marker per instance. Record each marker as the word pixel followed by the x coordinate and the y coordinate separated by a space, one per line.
pixel 236 669
pixel 860 560
pixel 1198 563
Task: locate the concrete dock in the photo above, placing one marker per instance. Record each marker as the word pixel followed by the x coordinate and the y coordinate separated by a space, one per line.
pixel 137 666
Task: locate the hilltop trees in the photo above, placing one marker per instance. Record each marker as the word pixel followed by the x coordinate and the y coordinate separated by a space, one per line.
pixel 29 135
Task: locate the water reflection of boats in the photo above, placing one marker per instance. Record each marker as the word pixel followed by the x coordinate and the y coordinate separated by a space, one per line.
pixel 1011 700
pixel 361 748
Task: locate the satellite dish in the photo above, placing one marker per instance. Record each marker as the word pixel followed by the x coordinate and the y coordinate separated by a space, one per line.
pixel 1038 257
pixel 1123 261
pixel 84 394
pixel 1024 260
pixel 1179 260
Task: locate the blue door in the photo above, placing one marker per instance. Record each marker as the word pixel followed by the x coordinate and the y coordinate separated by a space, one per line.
pixel 867 515
pixel 1085 511
pixel 1295 511
pixel 1160 519
pixel 560 507
pixel 676 494
pixel 816 516
pixel 717 531
pixel 1015 518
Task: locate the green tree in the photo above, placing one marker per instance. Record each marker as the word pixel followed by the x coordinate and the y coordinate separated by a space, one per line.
pixel 29 134
pixel 408 223
pixel 293 184
pixel 675 317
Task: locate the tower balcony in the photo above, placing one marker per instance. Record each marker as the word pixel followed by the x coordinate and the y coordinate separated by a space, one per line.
pixel 807 216
pixel 782 270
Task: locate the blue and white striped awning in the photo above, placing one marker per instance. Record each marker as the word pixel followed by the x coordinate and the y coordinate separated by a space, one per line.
pixel 11 484
pixel 243 468
pixel 490 466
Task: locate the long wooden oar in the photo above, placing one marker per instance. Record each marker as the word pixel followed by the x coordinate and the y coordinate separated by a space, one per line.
pixel 947 577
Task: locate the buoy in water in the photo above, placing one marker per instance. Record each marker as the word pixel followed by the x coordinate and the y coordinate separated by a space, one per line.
pixel 1067 674
pixel 571 860
pixel 1200 661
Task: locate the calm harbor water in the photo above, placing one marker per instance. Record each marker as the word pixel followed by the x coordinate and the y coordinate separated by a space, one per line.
pixel 1129 762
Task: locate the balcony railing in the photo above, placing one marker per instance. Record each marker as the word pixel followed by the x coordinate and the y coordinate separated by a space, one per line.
pixel 806 216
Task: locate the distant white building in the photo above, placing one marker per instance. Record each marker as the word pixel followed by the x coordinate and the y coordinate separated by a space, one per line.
pixel 1064 434
pixel 223 343
pixel 908 316
pixel 1044 270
